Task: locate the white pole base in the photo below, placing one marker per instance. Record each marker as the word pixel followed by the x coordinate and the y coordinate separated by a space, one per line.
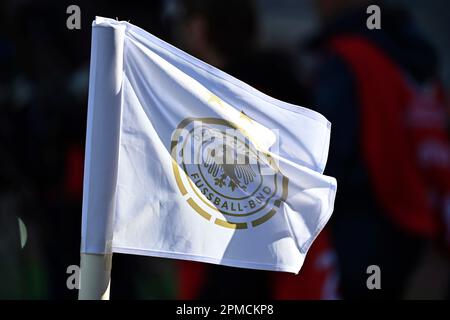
pixel 95 271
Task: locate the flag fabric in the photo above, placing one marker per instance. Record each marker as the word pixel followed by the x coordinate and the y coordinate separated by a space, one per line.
pixel 184 161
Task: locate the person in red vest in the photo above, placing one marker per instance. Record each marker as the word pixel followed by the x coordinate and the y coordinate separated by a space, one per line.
pixel 389 147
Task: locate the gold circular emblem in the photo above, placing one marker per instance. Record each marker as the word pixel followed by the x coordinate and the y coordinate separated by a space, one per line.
pixel 223 177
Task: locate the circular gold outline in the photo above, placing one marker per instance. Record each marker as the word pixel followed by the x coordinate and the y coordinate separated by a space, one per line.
pixel 199 210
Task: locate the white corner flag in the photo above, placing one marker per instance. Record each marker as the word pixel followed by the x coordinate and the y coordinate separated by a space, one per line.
pixel 184 161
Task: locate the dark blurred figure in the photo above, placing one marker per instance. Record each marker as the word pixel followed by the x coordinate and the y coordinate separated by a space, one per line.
pixel 389 150
pixel 224 34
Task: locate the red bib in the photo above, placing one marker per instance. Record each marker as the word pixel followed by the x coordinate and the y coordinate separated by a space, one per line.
pixel 404 141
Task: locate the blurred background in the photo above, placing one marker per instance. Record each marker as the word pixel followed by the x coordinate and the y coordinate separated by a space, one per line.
pixel 385 91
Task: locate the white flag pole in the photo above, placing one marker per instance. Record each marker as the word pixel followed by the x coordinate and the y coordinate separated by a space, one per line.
pixel 101 159
pixel 95 276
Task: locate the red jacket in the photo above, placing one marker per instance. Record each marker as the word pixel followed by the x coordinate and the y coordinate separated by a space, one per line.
pixel 403 138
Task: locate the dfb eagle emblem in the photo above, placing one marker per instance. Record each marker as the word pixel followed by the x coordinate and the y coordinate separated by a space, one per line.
pixel 222 164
